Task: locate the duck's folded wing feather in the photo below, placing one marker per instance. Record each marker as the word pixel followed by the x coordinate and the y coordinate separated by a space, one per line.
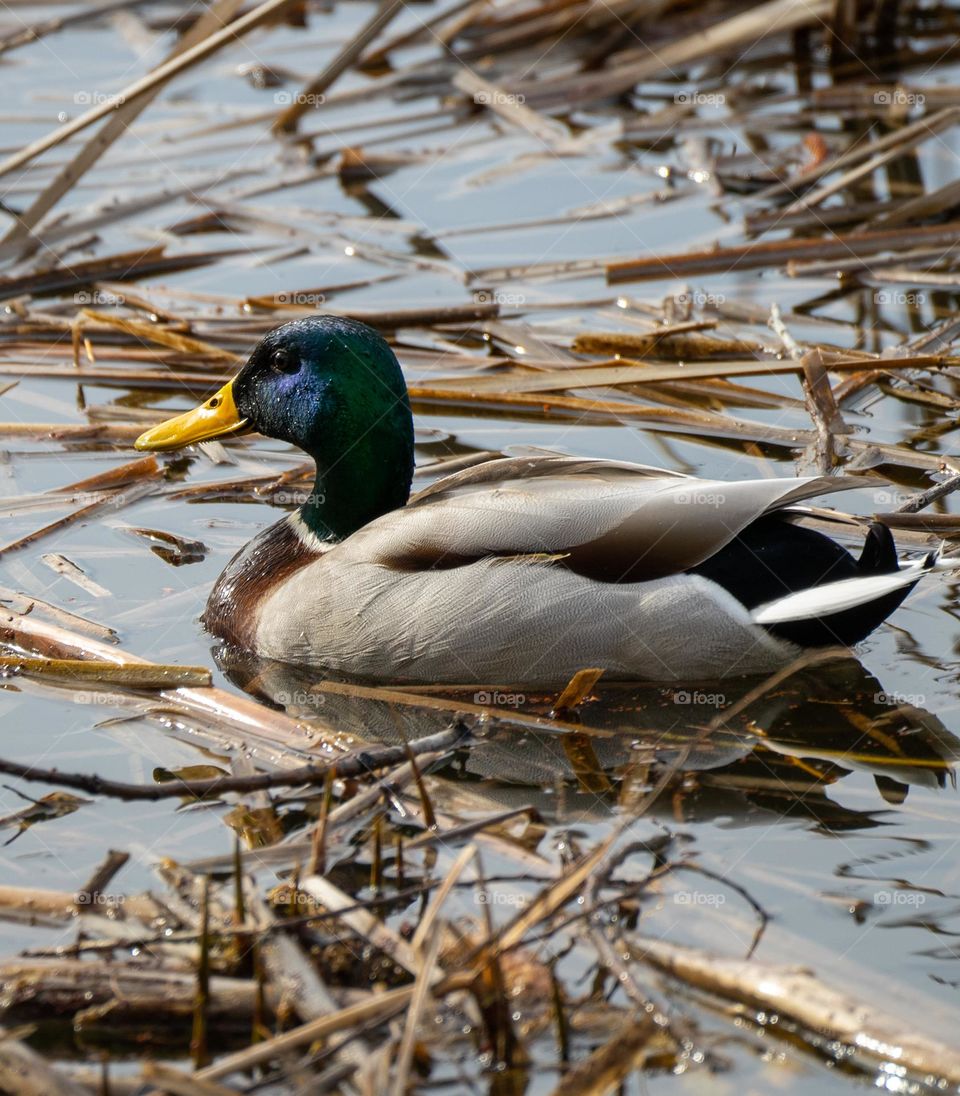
pixel 608 520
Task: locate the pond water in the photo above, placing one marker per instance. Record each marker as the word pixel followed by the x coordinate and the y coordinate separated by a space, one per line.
pixel 833 802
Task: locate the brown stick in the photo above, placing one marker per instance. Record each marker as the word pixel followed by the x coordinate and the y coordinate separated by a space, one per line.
pixel 778 252
pixel 113 862
pixel 220 14
pixel 357 763
pixel 112 501
pixel 938 491
pixel 159 75
pixel 313 92
pixel 25 1071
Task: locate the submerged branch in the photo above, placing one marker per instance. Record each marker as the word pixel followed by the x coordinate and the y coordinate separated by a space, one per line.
pixel 357 763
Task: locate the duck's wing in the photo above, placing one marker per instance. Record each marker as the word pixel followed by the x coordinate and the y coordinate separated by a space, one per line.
pixel 606 519
pixel 528 468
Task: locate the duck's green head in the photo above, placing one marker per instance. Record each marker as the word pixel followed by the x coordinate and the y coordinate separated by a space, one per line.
pixel 332 387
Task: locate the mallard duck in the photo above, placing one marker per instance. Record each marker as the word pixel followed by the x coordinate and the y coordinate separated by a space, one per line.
pixel 519 570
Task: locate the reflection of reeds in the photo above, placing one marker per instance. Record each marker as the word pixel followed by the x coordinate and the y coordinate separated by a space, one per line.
pixel 436 968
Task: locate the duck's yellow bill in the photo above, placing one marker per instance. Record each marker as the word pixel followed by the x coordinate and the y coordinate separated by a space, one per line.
pixel 214 419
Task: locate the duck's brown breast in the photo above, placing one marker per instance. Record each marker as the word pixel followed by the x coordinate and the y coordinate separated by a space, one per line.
pixel 253 575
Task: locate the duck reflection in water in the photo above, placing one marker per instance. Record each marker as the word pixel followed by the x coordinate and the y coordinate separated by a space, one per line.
pixel 737 749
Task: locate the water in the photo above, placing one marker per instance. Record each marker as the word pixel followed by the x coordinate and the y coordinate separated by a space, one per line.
pixel 845 836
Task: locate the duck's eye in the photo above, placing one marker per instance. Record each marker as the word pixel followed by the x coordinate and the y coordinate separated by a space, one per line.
pixel 284 361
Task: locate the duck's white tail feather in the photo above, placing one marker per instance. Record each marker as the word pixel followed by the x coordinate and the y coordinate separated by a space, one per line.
pixel 835 597
pixel 939 562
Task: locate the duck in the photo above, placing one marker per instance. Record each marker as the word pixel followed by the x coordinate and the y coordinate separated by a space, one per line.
pixel 519 570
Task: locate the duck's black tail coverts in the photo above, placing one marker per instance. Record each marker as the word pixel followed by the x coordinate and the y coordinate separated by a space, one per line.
pixel 774 557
